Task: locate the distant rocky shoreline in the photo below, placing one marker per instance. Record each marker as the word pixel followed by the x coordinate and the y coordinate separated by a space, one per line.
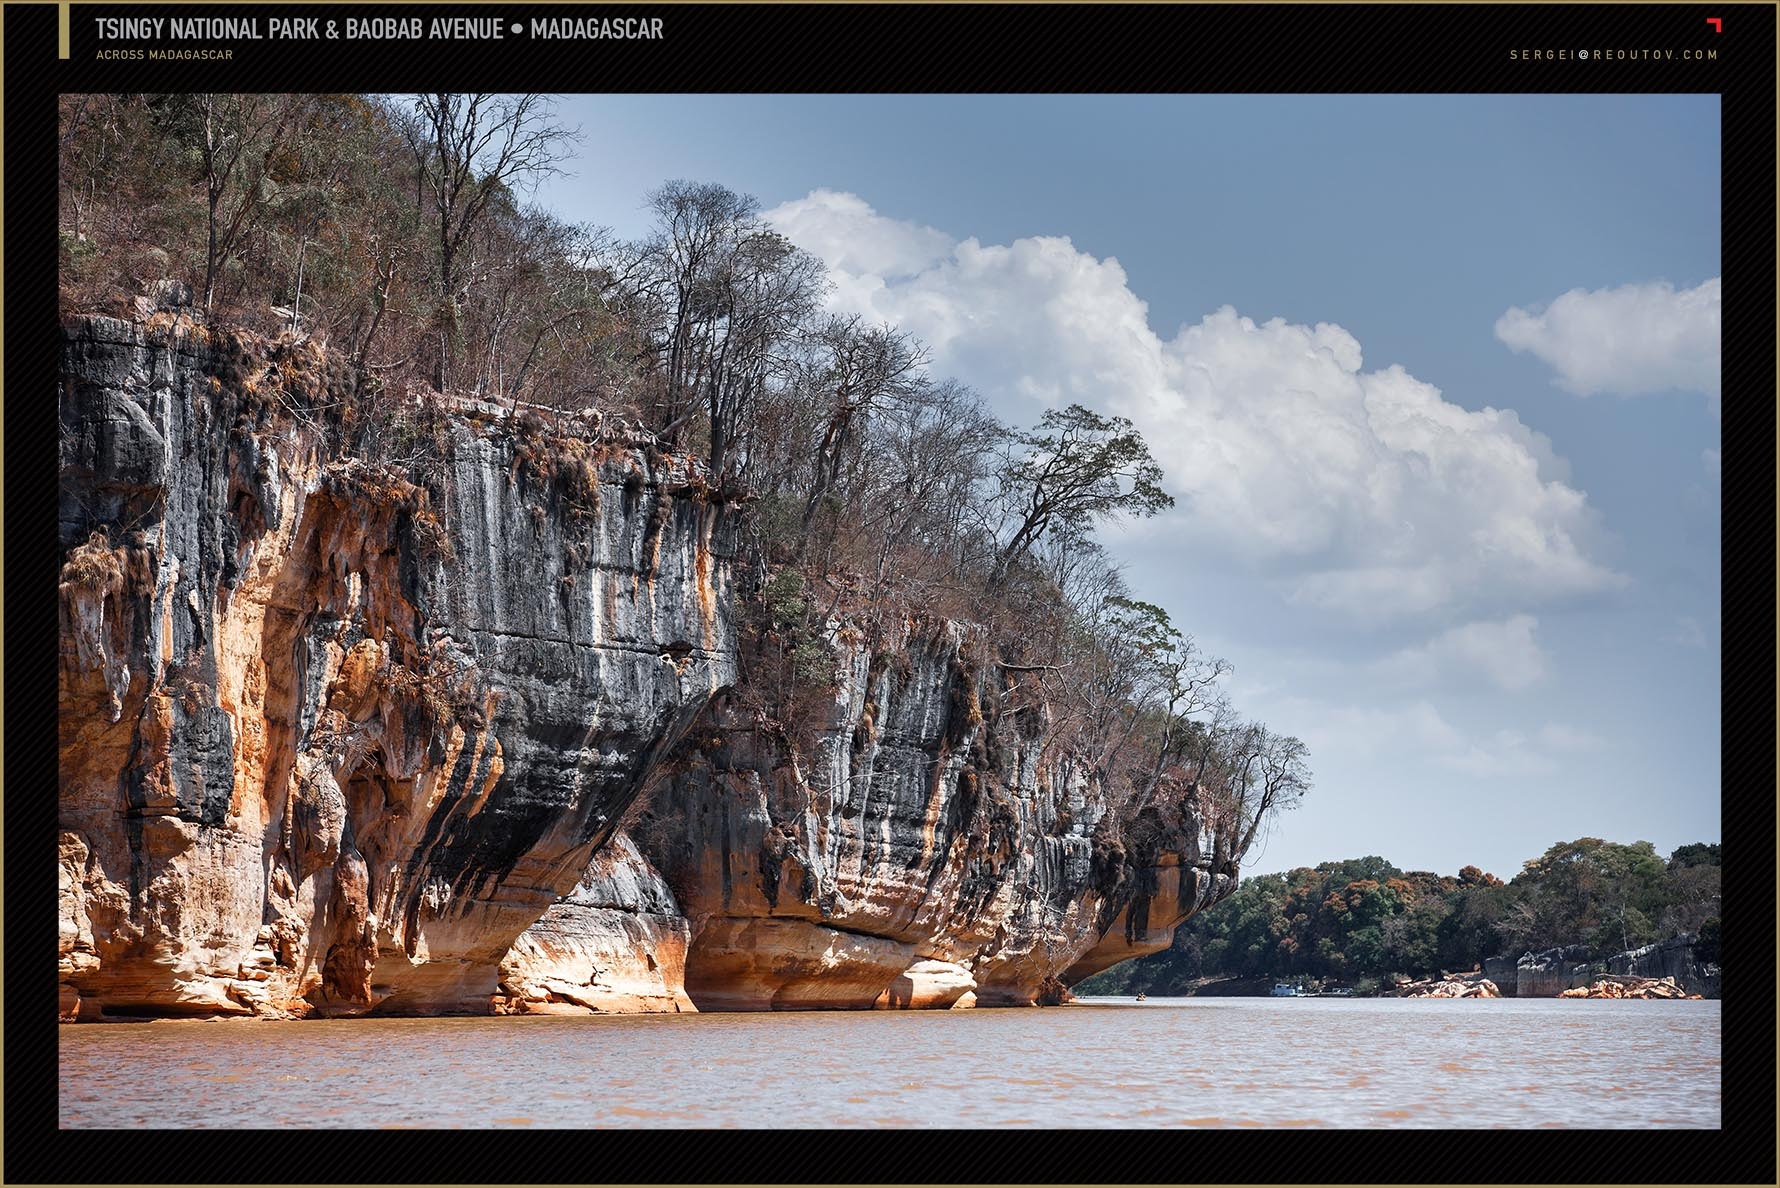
pixel 1551 973
pixel 1669 969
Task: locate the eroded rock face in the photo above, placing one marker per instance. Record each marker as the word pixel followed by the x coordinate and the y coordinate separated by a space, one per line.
pixel 325 745
pixel 1505 973
pixel 1673 959
pixel 616 945
pixel 922 822
pixel 1550 973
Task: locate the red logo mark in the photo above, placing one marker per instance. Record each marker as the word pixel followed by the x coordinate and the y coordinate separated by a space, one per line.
pixel 1717 24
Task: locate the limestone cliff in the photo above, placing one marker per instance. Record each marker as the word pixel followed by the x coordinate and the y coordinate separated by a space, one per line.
pixel 1675 958
pixel 921 839
pixel 330 741
pixel 333 741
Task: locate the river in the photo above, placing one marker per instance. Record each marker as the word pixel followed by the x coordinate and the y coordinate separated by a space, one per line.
pixel 1100 1062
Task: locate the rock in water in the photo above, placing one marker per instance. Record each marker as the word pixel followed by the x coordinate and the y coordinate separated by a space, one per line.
pixel 929 985
pixel 615 945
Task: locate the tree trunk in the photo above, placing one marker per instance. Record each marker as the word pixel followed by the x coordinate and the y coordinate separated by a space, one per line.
pixel 447 304
pixel 210 252
pixel 296 311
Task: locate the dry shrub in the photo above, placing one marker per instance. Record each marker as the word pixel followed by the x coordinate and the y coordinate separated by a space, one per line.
pixel 94 565
pixel 566 464
pixel 385 486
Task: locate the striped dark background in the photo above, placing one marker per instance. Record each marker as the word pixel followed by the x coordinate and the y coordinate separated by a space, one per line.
pixel 970 47
pixel 930 48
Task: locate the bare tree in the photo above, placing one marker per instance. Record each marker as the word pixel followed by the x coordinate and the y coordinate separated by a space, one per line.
pixel 235 137
pixel 469 149
pixel 934 449
pixel 857 368
pixel 729 296
pixel 1268 773
pixel 696 226
pixel 768 289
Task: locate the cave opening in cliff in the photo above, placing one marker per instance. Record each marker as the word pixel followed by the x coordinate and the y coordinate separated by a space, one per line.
pixel 371 809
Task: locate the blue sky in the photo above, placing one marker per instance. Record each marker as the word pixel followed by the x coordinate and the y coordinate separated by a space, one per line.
pixel 1495 631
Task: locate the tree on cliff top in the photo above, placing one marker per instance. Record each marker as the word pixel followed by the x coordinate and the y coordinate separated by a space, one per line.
pixel 1166 677
pixel 232 142
pixel 469 149
pixel 1264 774
pixel 1078 467
pixel 723 296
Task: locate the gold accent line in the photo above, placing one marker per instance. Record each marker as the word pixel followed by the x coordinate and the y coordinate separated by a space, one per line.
pixel 62 29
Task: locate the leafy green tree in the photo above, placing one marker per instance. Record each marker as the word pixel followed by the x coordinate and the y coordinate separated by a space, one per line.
pixel 1695 854
pixel 1631 894
pixel 1691 895
pixel 1078 467
pixel 1363 918
pixel 1589 891
pixel 1467 931
pixel 1171 680
pixel 1365 951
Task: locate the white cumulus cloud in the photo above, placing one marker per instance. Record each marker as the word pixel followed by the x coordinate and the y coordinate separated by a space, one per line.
pixel 1505 652
pixel 856 240
pixel 1364 491
pixel 1630 340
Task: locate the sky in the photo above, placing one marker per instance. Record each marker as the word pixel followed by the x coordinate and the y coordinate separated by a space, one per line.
pixel 1433 379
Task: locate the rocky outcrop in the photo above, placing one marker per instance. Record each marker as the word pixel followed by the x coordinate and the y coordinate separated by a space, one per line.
pixel 1673 959
pixel 348 730
pixel 921 820
pixel 1505 973
pixel 1569 973
pixel 930 985
pixel 330 741
pixel 615 945
pixel 1550 973
pixel 1629 987
pixel 1450 987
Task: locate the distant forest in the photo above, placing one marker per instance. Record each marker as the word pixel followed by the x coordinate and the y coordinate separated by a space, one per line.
pixel 1363 920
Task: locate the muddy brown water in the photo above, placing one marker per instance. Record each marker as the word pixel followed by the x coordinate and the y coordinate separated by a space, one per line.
pixel 1097 1063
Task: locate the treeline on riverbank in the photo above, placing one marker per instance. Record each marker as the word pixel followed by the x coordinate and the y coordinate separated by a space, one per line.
pixel 1362 921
